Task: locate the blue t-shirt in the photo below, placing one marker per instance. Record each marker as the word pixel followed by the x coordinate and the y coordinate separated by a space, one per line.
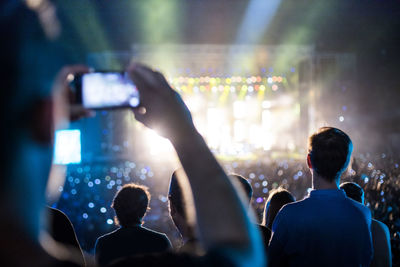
pixel 324 229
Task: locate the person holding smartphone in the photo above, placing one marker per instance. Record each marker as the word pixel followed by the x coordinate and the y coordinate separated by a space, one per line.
pixel 31 110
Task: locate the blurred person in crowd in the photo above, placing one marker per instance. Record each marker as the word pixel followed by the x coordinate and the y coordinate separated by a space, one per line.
pixel 326 228
pixel 276 200
pixel 131 238
pixel 33 104
pixel 245 186
pixel 61 230
pixel 380 232
pixel 180 209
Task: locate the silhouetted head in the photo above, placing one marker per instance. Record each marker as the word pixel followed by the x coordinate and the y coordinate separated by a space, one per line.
pixel 246 186
pixel 181 206
pixel 176 198
pixel 329 152
pixel 276 200
pixel 353 191
pixel 130 204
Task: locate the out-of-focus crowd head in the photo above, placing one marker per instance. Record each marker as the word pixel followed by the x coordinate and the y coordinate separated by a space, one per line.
pixel 276 200
pixel 245 186
pixel 176 198
pixel 181 206
pixel 353 191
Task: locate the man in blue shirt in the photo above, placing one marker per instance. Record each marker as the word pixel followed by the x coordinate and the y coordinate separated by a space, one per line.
pixel 326 228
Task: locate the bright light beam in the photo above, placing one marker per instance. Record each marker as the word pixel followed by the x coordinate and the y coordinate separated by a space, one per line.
pixel 258 16
pixel 86 21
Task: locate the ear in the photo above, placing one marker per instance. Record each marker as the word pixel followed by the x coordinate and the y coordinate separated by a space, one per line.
pixel 309 161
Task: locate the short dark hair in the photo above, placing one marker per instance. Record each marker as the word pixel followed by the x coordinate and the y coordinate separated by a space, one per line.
pixel 353 191
pixel 276 200
pixel 246 186
pixel 329 150
pixel 175 195
pixel 130 204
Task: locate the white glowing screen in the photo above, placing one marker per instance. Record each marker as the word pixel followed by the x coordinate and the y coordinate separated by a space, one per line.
pixel 108 90
pixel 67 147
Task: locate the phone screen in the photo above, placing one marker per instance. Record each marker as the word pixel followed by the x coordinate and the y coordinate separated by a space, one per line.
pixel 108 90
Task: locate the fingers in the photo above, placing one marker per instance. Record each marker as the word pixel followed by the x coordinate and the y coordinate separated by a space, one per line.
pixel 66 71
pixel 162 79
pixel 143 77
pixel 148 80
pixel 64 95
pixel 74 69
pixel 140 83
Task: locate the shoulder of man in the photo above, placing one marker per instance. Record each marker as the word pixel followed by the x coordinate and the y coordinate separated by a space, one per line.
pixel 110 234
pixel 152 232
pixel 365 211
pixel 290 212
pixel 101 240
pixel 293 207
pixel 161 236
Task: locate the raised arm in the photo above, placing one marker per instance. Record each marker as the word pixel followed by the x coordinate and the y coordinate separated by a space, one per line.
pixel 222 218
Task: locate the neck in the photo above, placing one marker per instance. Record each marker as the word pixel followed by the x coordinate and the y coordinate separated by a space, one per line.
pixel 132 225
pixel 320 183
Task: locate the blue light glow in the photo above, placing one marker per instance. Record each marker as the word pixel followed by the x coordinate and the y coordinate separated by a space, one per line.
pixel 258 16
pixel 67 147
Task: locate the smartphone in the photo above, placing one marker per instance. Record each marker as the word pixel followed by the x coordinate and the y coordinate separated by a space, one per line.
pixel 105 90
